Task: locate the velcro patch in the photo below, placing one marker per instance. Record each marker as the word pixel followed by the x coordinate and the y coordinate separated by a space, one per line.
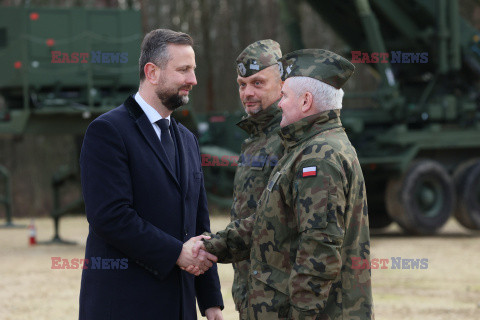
pixel 309 172
pixel 272 182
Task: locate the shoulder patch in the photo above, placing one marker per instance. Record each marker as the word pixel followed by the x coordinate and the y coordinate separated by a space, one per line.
pixel 309 172
pixel 274 180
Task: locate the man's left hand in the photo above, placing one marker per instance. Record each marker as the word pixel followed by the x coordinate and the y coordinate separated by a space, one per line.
pixel 214 313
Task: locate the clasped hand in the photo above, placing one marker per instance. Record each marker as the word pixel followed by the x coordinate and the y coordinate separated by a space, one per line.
pixel 194 260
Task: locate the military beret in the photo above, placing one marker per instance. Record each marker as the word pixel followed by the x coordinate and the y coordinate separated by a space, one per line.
pixel 258 56
pixel 319 64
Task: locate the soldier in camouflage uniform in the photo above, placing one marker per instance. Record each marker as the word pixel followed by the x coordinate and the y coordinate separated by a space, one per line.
pixel 260 87
pixel 311 220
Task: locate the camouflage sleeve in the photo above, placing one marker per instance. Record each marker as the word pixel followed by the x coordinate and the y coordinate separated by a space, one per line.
pixel 319 203
pixel 234 243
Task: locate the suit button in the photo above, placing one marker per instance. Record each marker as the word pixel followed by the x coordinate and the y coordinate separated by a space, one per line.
pixel 186 232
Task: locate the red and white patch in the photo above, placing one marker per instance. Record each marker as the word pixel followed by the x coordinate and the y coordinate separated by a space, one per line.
pixel 309 172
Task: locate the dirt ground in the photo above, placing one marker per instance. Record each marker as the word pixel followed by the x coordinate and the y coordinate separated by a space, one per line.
pixel 448 288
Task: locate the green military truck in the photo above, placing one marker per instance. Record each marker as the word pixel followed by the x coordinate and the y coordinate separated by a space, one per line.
pixel 61 68
pixel 418 137
pixel 418 134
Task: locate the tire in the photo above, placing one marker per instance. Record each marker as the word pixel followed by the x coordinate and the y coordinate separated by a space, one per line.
pixel 467 187
pixel 423 199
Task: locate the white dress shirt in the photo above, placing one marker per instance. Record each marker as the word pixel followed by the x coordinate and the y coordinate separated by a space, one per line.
pixel 151 113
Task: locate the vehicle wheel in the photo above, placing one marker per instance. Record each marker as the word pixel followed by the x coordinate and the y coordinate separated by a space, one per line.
pixel 467 185
pixel 423 199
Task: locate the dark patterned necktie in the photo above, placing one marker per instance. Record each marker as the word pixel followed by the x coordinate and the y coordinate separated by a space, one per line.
pixel 167 141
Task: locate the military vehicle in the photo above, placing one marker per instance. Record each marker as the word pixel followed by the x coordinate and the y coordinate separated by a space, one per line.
pixel 61 68
pixel 64 67
pixel 220 141
pixel 418 136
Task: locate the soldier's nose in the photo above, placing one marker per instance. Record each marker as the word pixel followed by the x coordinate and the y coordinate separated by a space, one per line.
pixel 249 91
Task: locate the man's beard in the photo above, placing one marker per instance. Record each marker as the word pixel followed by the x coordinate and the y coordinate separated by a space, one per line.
pixel 251 111
pixel 171 100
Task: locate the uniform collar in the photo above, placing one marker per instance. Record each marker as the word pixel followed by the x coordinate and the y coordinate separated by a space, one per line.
pixel 260 122
pixel 307 127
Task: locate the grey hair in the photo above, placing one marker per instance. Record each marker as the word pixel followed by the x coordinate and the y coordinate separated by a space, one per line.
pixel 154 47
pixel 325 97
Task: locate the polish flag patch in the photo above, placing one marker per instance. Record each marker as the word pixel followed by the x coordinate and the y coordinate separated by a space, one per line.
pixel 309 172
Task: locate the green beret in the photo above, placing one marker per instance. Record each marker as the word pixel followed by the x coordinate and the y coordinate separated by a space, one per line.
pixel 319 64
pixel 258 56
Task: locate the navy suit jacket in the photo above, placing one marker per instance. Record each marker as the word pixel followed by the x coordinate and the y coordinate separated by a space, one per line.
pixel 139 210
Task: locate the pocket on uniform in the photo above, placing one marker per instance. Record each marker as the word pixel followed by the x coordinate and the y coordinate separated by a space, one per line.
pixel 270 276
pixel 273 285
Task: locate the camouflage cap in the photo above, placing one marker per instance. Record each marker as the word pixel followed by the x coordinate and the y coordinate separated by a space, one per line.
pixel 319 64
pixel 258 56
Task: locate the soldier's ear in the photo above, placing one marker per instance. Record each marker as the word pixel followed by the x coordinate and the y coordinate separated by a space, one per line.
pixel 307 102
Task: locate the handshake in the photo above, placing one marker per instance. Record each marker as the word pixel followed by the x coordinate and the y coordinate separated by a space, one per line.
pixel 193 258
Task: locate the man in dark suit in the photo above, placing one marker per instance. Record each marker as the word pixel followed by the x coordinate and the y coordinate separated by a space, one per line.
pixel 145 199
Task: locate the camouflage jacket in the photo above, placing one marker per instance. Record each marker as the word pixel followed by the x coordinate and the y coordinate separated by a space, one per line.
pixel 260 153
pixel 311 222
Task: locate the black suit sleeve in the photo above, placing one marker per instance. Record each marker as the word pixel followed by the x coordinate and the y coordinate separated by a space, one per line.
pixel 207 285
pixel 107 191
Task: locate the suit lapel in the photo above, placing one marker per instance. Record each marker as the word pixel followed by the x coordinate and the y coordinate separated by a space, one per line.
pixel 149 134
pixel 179 136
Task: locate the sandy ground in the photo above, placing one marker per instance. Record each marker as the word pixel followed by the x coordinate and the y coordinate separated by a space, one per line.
pixel 449 288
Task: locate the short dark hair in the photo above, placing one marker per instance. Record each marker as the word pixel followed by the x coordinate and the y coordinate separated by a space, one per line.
pixel 154 47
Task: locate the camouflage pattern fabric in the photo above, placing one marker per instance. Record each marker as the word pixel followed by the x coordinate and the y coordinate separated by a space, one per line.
pixel 310 222
pixel 258 56
pixel 259 155
pixel 319 64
